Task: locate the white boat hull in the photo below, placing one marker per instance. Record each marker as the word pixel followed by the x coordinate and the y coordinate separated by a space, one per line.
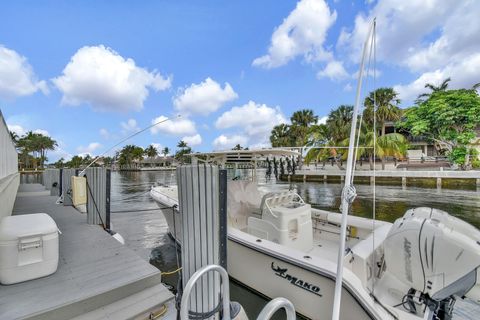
pixel 311 290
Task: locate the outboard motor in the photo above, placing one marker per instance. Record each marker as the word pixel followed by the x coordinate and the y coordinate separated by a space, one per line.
pixel 435 258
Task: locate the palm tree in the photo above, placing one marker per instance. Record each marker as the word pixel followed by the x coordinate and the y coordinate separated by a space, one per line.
pixel 303 118
pixel 182 144
pixel 388 145
pixel 44 143
pixel 181 155
pixel 386 102
pixel 442 87
pixel 165 152
pixel 280 136
pixel 151 151
pixel 14 136
pixel 339 122
pixel 301 121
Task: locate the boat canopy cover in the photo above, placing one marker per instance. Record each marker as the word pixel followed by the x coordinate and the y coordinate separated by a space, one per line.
pixel 243 156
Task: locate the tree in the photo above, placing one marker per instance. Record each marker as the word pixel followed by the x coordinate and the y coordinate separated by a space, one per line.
pixel 37 145
pixel 130 154
pixel 442 87
pixel 60 163
pixel 449 119
pixel 75 162
pixel 387 107
pixel 301 121
pixel 237 147
pixel 182 144
pixel 387 145
pixel 165 152
pixel 151 151
pixel 43 144
pixel 339 122
pixel 14 136
pixel 280 136
pixel 181 155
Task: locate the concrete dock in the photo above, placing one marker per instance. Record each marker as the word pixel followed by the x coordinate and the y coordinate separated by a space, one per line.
pixel 401 177
pixel 97 277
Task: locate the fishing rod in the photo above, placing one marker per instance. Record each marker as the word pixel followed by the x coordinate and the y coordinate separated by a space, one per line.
pixel 82 173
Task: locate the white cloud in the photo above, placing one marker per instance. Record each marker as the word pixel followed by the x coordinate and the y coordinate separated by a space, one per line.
pixel 174 126
pixel 433 39
pixel 302 33
pixel 42 132
pixel 104 133
pixel 255 120
pixel 58 153
pixel 464 74
pixel 89 149
pixel 203 98
pixel 402 27
pixel 102 78
pixel 129 126
pixel 18 129
pixel 348 87
pixel 193 140
pixel 223 142
pixel 157 146
pixel 322 120
pixel 17 77
pixel 334 70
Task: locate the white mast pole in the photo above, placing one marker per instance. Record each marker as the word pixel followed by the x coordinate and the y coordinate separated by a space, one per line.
pixel 348 191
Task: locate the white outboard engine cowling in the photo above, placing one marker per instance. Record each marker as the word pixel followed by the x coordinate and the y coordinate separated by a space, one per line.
pixel 437 256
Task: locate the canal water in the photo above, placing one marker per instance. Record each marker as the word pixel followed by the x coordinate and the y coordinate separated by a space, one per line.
pixel 147 232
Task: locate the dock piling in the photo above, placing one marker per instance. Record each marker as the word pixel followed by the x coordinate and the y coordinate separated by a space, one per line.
pixel 67 186
pixel 97 196
pixel 202 198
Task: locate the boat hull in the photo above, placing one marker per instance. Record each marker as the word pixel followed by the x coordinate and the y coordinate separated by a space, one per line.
pixel 311 291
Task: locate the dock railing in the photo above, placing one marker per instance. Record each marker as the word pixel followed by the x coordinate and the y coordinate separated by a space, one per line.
pixel 9 176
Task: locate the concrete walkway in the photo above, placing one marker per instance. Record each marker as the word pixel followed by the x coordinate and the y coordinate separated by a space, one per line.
pixel 95 272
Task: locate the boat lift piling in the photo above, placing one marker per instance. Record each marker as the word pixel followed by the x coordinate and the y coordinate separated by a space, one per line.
pixel 202 204
pixel 58 181
pixel 205 292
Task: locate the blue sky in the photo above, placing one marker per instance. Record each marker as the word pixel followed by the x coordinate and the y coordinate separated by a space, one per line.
pixel 91 73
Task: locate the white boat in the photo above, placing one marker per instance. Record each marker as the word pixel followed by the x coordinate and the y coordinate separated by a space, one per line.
pixel 279 246
pixel 338 266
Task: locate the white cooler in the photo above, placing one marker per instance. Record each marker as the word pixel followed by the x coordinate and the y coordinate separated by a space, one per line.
pixel 28 247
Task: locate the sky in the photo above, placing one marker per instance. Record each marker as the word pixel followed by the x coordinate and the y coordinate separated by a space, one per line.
pixel 90 73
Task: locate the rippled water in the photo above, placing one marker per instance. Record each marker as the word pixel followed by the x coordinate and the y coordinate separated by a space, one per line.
pixel 147 233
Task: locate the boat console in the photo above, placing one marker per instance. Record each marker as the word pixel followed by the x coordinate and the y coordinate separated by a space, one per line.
pixel 285 219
